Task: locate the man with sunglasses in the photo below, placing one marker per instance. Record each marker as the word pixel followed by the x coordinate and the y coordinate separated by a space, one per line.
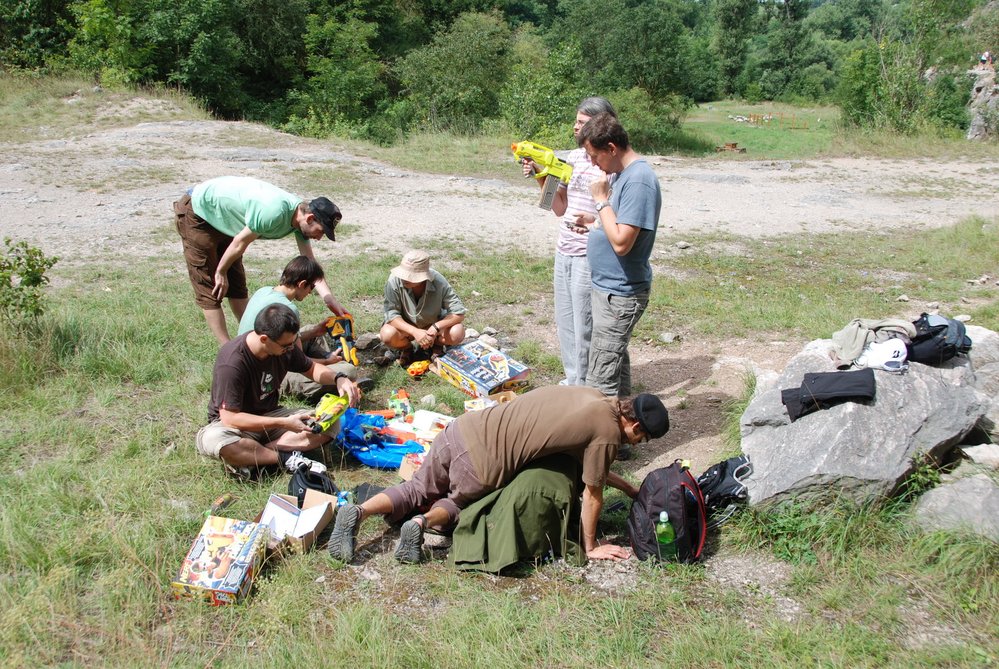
pixel 298 280
pixel 482 451
pixel 247 430
pixel 221 217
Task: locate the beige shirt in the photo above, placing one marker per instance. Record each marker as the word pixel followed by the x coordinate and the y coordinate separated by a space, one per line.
pixel 582 421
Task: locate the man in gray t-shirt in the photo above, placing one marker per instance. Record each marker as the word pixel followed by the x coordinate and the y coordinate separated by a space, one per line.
pixel 621 241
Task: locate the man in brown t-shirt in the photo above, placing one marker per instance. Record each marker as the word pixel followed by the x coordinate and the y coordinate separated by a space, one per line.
pixel 247 429
pixel 483 451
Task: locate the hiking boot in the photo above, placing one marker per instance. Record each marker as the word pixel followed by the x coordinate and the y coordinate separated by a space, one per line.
pixel 406 357
pixel 348 520
pixel 410 548
pixel 437 351
pixel 296 460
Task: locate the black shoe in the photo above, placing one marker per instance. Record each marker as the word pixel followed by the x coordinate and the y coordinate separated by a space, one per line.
pixel 345 533
pixel 410 548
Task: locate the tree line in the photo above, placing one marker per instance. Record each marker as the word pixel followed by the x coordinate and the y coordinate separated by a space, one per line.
pixel 377 69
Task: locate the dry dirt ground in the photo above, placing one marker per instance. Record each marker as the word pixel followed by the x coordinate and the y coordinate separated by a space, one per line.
pixel 107 194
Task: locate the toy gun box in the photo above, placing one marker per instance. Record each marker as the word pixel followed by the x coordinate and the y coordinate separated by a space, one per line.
pixel 479 370
pixel 223 561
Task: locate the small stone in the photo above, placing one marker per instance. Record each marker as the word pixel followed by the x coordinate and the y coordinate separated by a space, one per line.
pixel 489 330
pixel 367 341
pixel 491 341
pixel 669 337
pixel 682 245
pixel 321 579
pixel 902 298
pixel 964 318
pixel 476 293
pixel 932 305
pixel 471 333
pixel 169 450
pixel 428 401
pixel 983 454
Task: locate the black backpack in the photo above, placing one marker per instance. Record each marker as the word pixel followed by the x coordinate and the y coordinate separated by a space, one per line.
pixel 305 479
pixel 672 489
pixel 724 489
pixel 938 339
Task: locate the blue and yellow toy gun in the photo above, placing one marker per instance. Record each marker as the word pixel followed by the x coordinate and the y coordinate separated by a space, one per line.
pixel 341 328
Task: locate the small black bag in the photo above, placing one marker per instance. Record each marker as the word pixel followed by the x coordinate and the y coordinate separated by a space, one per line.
pixel 305 479
pixel 724 489
pixel 672 489
pixel 938 339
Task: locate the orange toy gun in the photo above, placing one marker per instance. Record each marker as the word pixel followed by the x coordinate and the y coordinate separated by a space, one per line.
pixel 553 170
pixel 342 328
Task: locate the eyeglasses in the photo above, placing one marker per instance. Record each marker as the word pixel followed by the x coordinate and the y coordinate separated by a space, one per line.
pixel 287 347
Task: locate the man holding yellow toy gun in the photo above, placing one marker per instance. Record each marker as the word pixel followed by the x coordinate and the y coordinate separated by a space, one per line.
pixel 297 282
pixel 248 429
pixel 574 205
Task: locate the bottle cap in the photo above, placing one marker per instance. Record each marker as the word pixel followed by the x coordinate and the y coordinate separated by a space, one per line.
pixel 663 517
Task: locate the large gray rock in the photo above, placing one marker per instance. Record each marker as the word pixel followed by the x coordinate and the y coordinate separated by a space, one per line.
pixel 969 504
pixel 984 358
pixel 858 450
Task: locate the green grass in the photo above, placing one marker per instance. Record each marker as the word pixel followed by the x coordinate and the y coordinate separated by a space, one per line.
pixel 101 493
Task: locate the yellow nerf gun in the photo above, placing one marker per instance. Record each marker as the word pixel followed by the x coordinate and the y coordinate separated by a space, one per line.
pixel 342 328
pixel 328 411
pixel 554 171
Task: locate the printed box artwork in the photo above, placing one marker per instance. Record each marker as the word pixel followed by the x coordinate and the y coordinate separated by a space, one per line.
pixel 479 370
pixel 223 561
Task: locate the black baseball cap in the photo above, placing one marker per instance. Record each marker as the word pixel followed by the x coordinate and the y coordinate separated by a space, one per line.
pixel 651 415
pixel 328 215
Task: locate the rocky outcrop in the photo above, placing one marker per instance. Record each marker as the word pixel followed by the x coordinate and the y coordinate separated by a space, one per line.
pixel 968 504
pixel 984 104
pixel 860 451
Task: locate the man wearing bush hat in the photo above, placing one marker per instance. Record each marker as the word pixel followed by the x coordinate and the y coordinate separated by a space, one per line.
pixel 422 311
pixel 221 217
pixel 483 451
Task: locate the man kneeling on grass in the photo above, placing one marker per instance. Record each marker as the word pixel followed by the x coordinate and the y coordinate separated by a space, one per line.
pixel 482 451
pixel 247 429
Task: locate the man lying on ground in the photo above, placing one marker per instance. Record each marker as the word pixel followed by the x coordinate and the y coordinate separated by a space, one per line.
pixel 247 429
pixel 421 310
pixel 297 282
pixel 482 451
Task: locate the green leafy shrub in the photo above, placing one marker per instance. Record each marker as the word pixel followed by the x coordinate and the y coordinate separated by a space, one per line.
pixel 22 280
pixel 652 124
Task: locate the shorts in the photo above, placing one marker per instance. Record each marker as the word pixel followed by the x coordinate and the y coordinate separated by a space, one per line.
pixel 215 436
pixel 203 249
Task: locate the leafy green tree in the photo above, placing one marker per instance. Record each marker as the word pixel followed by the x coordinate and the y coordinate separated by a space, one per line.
pixel 454 81
pixel 782 58
pixel 734 20
pixel 33 31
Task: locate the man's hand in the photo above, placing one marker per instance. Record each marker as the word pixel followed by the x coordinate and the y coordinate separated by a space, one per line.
pixel 609 552
pixel 299 422
pixel 221 286
pixel 347 388
pixel 333 305
pixel 426 338
pixel 333 359
pixel 600 189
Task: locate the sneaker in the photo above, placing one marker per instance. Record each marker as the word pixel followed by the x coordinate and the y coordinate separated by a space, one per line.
pixel 296 460
pixel 410 548
pixel 344 534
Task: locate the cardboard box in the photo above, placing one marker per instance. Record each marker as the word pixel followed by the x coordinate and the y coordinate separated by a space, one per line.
pixel 479 370
pixel 293 527
pixel 410 463
pixel 223 561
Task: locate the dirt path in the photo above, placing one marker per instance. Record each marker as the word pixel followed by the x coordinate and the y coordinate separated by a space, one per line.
pixel 108 193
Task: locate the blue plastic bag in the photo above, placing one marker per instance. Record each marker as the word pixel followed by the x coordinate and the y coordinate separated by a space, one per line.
pixel 379 451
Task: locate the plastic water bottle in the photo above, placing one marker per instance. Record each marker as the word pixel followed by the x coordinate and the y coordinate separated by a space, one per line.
pixel 666 537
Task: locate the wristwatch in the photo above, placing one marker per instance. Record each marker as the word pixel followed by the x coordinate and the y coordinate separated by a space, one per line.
pixel 601 205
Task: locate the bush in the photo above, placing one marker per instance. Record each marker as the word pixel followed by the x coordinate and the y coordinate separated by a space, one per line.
pixel 652 125
pixel 22 280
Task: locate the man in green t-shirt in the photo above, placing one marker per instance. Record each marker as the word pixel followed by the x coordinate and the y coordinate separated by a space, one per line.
pixel 221 217
pixel 297 282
